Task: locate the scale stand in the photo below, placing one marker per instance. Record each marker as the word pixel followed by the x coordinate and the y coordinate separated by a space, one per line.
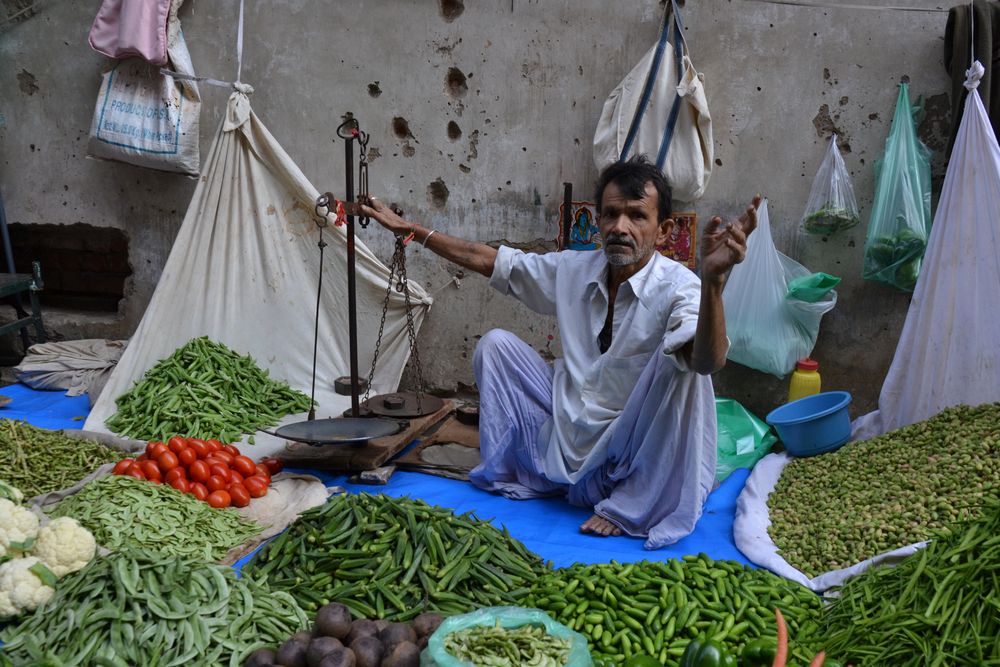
pixel 353 429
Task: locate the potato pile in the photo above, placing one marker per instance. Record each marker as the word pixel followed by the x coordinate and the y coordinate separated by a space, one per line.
pixel 337 640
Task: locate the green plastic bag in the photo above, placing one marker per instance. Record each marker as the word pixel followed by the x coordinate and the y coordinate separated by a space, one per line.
pixel 435 654
pixel 743 438
pixel 901 213
pixel 811 288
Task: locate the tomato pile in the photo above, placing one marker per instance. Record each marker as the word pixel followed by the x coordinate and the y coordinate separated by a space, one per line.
pixel 207 469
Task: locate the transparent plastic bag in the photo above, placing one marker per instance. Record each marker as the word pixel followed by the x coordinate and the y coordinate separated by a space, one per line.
pixel 435 655
pixel 831 206
pixel 901 213
pixel 743 438
pixel 767 330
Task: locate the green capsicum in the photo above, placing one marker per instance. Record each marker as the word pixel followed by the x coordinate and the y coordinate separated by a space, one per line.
pixel 704 652
pixel 758 653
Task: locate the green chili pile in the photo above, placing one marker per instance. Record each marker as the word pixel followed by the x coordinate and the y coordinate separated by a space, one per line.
pixel 940 606
pixel 125 512
pixel 204 390
pixel 393 558
pixel 657 608
pixel 835 510
pixel 141 608
pixel 37 461
pixel 497 646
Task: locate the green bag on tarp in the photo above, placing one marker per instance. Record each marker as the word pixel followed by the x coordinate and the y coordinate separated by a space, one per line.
pixel 901 213
pixel 811 288
pixel 743 438
pixel 435 654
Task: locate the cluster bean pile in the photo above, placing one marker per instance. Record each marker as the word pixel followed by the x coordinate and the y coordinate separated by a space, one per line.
pixel 126 512
pixel 657 608
pixel 940 606
pixel 508 647
pixel 833 511
pixel 38 461
pixel 204 390
pixel 393 558
pixel 141 608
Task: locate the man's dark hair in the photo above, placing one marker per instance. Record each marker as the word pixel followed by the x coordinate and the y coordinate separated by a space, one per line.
pixel 631 177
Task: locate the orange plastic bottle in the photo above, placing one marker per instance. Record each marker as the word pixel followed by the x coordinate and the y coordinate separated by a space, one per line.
pixel 805 380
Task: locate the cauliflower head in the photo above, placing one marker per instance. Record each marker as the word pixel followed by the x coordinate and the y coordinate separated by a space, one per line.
pixel 21 587
pixel 65 546
pixel 18 527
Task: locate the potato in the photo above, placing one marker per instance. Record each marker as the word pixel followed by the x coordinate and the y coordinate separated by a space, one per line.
pixel 333 620
pixel 405 654
pixel 381 623
pixel 425 624
pixel 368 651
pixel 396 633
pixel 319 648
pixel 361 628
pixel 262 657
pixel 293 652
pixel 340 657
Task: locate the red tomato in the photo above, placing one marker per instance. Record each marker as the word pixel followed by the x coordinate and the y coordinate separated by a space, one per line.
pixel 199 447
pixel 176 443
pixel 151 470
pixel 167 460
pixel 215 483
pixel 213 445
pixel 136 471
pixel 198 490
pixel 219 498
pixel 273 465
pixel 199 471
pixel 122 467
pixel 232 450
pixel 256 485
pixel 180 484
pixel 235 477
pixel 155 480
pixel 174 473
pixel 154 448
pixel 262 471
pixel 187 456
pixel 142 457
pixel 220 469
pixel 244 465
pixel 239 494
pixel 224 455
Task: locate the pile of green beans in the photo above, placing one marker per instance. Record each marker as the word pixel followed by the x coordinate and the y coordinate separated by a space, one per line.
pixel 836 510
pixel 37 461
pixel 496 646
pixel 125 512
pixel 657 608
pixel 204 390
pixel 142 608
pixel 394 558
pixel 937 607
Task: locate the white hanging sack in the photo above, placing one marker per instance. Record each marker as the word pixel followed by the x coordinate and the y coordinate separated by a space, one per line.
pixel 660 110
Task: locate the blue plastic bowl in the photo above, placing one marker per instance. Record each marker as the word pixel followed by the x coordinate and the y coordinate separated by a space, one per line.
pixel 813 425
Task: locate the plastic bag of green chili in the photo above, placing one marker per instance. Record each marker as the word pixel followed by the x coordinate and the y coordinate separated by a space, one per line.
pixel 565 646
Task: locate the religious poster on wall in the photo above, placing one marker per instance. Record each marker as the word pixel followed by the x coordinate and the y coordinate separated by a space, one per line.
pixel 585 235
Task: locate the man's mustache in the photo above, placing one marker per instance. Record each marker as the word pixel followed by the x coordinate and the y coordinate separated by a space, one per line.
pixel 619 240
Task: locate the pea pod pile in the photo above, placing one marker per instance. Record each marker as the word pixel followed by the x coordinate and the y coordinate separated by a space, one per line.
pixel 38 461
pixel 657 608
pixel 393 558
pixel 508 647
pixel 204 390
pixel 833 511
pixel 126 512
pixel 141 608
pixel 938 607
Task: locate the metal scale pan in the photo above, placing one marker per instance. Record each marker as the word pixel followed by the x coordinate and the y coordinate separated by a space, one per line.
pixel 338 431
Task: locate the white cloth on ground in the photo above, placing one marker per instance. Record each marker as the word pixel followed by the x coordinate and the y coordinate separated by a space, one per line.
pixel 631 432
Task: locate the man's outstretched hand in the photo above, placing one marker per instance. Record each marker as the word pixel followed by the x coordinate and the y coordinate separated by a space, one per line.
pixel 387 216
pixel 725 245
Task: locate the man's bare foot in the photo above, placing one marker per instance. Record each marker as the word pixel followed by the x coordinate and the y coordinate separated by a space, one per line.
pixel 598 525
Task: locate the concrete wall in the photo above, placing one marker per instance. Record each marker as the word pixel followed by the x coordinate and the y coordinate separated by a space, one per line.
pixel 523 81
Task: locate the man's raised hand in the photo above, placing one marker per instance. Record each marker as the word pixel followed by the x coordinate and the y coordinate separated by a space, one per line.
pixel 725 245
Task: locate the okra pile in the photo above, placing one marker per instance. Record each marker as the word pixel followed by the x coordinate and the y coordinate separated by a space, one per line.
pixel 497 646
pixel 204 390
pixel 142 608
pixel 394 558
pixel 835 510
pixel 657 608
pixel 126 512
pixel 938 607
pixel 37 461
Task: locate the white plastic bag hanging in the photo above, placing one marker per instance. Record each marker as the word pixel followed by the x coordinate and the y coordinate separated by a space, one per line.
pixel 660 110
pixel 767 330
pixel 831 206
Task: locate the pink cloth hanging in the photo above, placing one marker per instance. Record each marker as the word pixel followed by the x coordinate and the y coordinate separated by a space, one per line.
pixel 132 28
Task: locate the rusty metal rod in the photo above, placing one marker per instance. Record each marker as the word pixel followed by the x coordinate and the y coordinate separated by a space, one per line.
pixel 352 301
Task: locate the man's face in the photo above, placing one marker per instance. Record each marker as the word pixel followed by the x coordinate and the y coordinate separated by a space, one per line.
pixel 629 227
